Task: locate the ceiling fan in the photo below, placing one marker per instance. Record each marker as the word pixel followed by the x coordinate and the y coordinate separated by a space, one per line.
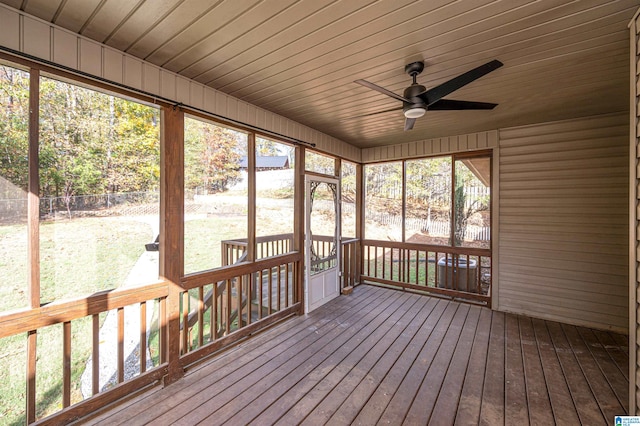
pixel 416 99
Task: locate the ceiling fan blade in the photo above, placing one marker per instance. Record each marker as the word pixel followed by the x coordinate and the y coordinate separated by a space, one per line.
pixel 371 113
pixel 382 90
pixel 432 96
pixel 408 123
pixel 451 104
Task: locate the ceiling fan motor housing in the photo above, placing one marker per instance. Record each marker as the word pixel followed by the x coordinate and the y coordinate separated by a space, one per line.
pixel 412 93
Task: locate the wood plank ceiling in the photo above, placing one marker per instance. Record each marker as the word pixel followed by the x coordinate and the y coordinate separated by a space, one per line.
pixel 562 59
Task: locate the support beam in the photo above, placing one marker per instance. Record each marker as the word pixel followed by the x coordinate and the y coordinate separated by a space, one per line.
pixel 172 230
pixel 33 215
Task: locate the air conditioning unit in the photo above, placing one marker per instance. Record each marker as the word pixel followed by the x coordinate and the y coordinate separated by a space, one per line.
pixel 458 274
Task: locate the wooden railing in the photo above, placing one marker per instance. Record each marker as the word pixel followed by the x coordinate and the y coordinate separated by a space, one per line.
pixel 456 272
pixel 270 245
pixel 350 273
pixel 233 250
pixel 224 305
pixel 85 315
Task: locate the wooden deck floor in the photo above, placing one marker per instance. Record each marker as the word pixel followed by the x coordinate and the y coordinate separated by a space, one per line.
pixel 388 357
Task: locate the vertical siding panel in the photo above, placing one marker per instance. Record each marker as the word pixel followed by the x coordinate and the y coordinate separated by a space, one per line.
pixel 90 57
pixel 252 112
pixel 242 112
pixel 10 24
pixel 65 48
pixel 196 95
pixel 462 143
pixel 132 72
pixel 221 104
pixel 167 84
pixel 36 38
pixel 182 93
pixel 232 108
pixel 210 99
pixel 112 65
pixel 472 141
pixel 150 78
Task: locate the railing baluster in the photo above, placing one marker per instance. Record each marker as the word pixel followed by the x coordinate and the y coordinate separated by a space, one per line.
pixel 214 313
pixel 228 309
pixel 120 345
pixel 32 340
pixel 260 280
pixel 95 355
pixel 185 322
pixel 239 300
pixel 270 290
pixel 247 282
pixel 143 337
pixel 66 364
pixel 286 286
pixel 200 316
pixel 278 306
pixel 162 327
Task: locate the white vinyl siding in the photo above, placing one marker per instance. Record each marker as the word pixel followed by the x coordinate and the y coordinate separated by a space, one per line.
pixel 563 221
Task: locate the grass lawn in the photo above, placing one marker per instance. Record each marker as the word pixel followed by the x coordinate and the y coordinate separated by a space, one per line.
pixel 82 256
pixel 78 257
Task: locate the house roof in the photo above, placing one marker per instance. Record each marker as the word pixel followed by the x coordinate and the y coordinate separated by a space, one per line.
pixel 300 59
pixel 267 162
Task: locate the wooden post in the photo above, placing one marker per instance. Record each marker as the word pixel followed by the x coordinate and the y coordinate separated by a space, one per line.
pixel 298 224
pixel 172 230
pixel 359 220
pixel 251 188
pixel 33 218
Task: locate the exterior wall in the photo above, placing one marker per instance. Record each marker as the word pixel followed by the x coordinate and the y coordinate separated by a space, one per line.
pixel 425 148
pixel 634 223
pixel 564 220
pixel 30 35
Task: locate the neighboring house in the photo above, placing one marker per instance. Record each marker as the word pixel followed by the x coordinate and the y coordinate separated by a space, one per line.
pixel 263 163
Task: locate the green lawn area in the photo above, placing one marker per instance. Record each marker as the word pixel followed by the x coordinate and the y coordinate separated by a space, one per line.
pixel 78 257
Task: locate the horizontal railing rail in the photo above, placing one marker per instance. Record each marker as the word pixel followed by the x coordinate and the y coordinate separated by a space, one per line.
pixel 114 320
pixel 457 272
pixel 218 309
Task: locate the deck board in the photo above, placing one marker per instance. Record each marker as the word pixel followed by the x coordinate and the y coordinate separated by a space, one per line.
pixel 468 410
pixel 388 357
pixel 562 405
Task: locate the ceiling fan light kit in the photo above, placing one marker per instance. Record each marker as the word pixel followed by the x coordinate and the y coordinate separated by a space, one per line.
pixel 416 99
pixel 414 112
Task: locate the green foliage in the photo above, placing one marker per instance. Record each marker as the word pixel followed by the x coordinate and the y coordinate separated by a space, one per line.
pixel 212 156
pixel 429 182
pixel 92 143
pixel 319 163
pixel 14 119
pixel 463 210
pixel 267 148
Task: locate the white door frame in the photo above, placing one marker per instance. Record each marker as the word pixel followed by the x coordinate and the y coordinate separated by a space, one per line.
pixel 326 282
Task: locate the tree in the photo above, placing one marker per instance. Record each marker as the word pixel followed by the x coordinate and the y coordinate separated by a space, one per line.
pixel 463 208
pixel 267 148
pixel 14 120
pixel 212 156
pixel 428 186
